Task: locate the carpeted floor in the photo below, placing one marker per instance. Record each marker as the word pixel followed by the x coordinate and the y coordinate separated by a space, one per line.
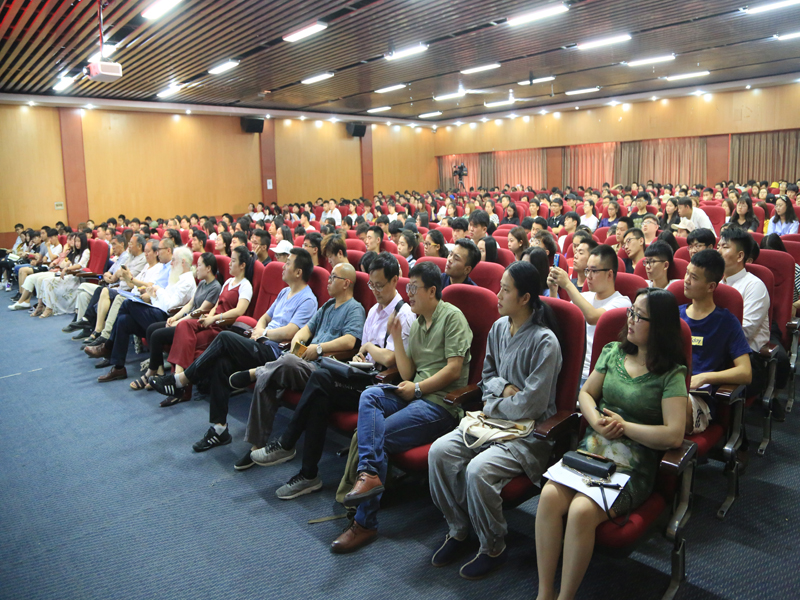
pixel 102 497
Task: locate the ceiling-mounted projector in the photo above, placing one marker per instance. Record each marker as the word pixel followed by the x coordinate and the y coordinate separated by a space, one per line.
pixel 105 71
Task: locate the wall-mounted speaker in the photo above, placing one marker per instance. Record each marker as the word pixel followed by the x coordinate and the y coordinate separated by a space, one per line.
pixel 356 129
pixel 251 125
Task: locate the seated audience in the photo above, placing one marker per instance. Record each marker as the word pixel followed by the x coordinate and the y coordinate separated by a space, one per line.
pixel 488 249
pixel 633 244
pixel 462 259
pixel 784 221
pixel 657 259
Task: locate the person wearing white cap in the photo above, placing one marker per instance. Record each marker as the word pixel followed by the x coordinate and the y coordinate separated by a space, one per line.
pixel 684 227
pixel 282 250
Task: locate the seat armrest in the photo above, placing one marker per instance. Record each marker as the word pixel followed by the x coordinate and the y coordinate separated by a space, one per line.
pixel 561 423
pixel 174 311
pixel 466 395
pixel 87 275
pixel 729 394
pixel 389 376
pixel 793 325
pixel 342 355
pixel 768 351
pixel 675 461
pixel 196 314
pixel 227 322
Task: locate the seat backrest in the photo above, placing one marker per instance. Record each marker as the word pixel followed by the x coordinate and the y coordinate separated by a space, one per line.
pixel 501 237
pixel 765 275
pixel 573 333
pixel 402 282
pixel 98 256
pixel 298 241
pixel 716 214
pixel 258 274
pixel 270 286
pixel 437 260
pixel 505 257
pixel 782 266
pixel 319 284
pixel 628 284
pixel 210 246
pixel 355 244
pixel 793 248
pixel 224 267
pixel 403 264
pixel 480 308
pixel 354 257
pixel 725 296
pixel 352 234
pixel 62 239
pixel 185 234
pixel 601 233
pixel 487 275
pixel 683 253
pixel 388 246
pixel 362 293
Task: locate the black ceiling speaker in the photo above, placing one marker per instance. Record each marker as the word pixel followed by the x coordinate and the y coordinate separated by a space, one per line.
pixel 251 125
pixel 356 129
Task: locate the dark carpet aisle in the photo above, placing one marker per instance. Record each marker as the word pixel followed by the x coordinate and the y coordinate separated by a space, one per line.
pixel 102 497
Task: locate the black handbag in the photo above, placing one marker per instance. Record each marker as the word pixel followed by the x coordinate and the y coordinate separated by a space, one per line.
pixel 598 470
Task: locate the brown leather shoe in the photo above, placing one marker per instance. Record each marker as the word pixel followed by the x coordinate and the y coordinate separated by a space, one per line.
pixel 101 351
pixel 367 486
pixel 114 374
pixel 353 538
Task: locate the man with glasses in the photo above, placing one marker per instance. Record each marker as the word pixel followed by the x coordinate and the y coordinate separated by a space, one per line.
pixel 633 244
pixel 312 242
pixel 657 260
pixel 463 258
pixel 700 239
pixel 335 327
pixel 582 245
pixel 414 413
pixel 601 273
pixel 649 228
pixel 327 392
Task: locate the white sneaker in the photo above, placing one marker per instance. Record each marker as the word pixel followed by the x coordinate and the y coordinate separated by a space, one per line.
pixel 20 306
pixel 8 286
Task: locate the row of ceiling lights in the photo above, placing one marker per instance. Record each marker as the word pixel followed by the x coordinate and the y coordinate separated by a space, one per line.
pixel 161 7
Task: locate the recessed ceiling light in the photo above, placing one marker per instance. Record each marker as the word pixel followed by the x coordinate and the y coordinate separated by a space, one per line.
pixel 626 107
pixel 459 94
pixel 481 68
pixel 537 15
pixel 535 81
pixel 108 50
pixel 612 103
pixel 767 7
pixel 604 42
pixel 687 75
pixel 268 116
pixel 188 112
pixel 306 31
pixel 226 66
pixel 698 93
pixel 391 88
pixel 316 78
pixel 653 98
pixel 526 118
pixel 747 87
pixel 583 91
pixel 788 36
pixel 406 52
pixel 31 103
pixel 557 115
pixel 577 107
pixel 379 109
pixel 498 121
pixel 318 124
pixel 512 116
pixel 63 83
pixel 473 125
pixel 173 89
pixel 707 97
pixel 434 127
pixel 430 114
pixel 484 119
pixel 89 106
pixel 412 125
pixel 302 117
pixel 508 102
pixel 333 120
pixel 650 61
pixel 159 8
pixel 458 123
pixel 543 112
pixel 388 122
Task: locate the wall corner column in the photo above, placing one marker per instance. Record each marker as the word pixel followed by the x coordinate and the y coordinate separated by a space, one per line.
pixel 74 164
pixel 555 167
pixel 367 172
pixel 269 172
pixel 717 158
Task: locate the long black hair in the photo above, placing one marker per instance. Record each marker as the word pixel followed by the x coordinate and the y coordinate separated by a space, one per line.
pixel 528 281
pixel 75 256
pixel 243 254
pixel 664 343
pixel 210 261
pixel 226 241
pixel 490 244
pixel 438 239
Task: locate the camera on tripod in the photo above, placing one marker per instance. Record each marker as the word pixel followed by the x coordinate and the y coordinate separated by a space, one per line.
pixel 460 171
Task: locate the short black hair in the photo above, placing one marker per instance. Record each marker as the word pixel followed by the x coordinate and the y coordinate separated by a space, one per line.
pixel 480 217
pixel 685 201
pixel 739 237
pixel 383 219
pixel 712 264
pixel 430 275
pixel 241 236
pixel 460 223
pixel 333 245
pixel 702 236
pixel 660 250
pixel 394 227
pixel 573 215
pixel 473 254
pixel 650 217
pixel 200 235
pixel 366 260
pixel 377 231
pixel 607 256
pixel 627 220
pixel 315 239
pixel 637 233
pixel 386 262
pixel 303 261
pixel 264 238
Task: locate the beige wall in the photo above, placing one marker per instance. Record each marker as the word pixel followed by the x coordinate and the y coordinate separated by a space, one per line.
pixel 31 171
pixel 159 165
pixel 403 158
pixel 731 112
pixel 316 161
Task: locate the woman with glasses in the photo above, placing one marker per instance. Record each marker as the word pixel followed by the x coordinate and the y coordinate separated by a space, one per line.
pixel 744 216
pixel 635 404
pixel 785 220
pixel 435 244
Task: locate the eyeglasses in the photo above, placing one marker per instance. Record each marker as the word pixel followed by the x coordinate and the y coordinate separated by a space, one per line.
pixel 332 277
pixel 632 314
pixel 411 289
pixel 375 287
pixel 430 244
pixel 648 263
pixel 697 247
pixel 593 272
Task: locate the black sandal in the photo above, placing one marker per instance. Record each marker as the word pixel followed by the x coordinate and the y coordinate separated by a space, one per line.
pixel 139 384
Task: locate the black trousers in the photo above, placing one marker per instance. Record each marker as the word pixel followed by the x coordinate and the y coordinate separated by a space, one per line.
pixel 227 354
pixel 324 394
pixel 133 319
pixel 158 336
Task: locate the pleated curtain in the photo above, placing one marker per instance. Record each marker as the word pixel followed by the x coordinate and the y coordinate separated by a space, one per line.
pixel 773 155
pixel 627 156
pixel 521 167
pixel 673 160
pixel 446 163
pixel 487 162
pixel 589 164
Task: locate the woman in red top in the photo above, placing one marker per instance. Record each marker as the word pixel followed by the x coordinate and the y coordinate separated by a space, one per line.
pixel 192 335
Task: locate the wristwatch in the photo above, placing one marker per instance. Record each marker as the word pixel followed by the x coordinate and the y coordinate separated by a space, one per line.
pixel 417 391
pixel 319 349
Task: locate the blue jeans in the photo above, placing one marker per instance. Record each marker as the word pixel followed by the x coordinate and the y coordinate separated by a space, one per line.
pixel 388 424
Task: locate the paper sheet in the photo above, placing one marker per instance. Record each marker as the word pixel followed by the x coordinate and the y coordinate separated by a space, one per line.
pixel 559 474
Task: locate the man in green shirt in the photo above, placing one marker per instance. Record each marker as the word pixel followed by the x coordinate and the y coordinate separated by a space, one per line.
pixel 391 420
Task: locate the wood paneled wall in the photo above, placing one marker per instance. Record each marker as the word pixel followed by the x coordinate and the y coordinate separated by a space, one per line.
pixel 316 159
pixel 31 172
pixel 403 158
pixel 743 111
pixel 160 165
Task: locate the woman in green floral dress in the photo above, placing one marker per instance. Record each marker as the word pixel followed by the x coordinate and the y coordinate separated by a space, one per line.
pixel 639 387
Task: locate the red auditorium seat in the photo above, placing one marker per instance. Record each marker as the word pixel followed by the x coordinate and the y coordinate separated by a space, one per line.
pixel 487 275
pixel 355 244
pixel 437 260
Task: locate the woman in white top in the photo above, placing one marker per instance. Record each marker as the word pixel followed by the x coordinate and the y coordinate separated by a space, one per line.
pixel 589 217
pixel 60 293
